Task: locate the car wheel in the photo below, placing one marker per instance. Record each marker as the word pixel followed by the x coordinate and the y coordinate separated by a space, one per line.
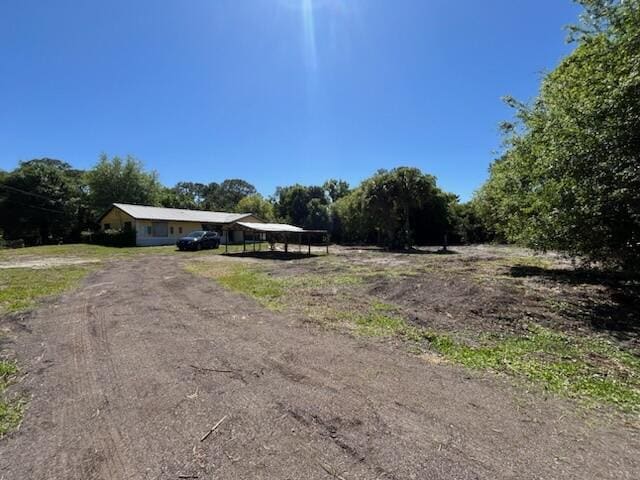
pixel 199 247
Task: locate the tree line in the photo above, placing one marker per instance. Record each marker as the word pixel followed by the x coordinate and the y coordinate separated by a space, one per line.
pixel 47 201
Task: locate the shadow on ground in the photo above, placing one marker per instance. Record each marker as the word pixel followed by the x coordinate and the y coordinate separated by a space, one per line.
pixel 273 255
pixel 410 251
pixel 612 305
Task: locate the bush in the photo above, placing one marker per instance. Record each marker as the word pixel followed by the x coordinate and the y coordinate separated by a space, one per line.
pixel 111 238
pixel 19 243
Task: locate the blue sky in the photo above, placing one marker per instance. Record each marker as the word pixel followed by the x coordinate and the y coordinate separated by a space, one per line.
pixel 272 91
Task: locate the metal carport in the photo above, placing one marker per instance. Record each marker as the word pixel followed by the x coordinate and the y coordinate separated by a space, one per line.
pixel 265 230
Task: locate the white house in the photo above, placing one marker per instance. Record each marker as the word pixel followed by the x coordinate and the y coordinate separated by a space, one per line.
pixel 163 226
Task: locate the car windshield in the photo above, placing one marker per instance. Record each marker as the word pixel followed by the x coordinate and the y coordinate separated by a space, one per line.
pixel 196 234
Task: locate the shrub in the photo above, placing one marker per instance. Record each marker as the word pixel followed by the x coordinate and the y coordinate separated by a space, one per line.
pixel 111 238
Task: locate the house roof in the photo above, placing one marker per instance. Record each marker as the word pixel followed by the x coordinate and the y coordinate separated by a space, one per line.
pixel 143 212
pixel 275 228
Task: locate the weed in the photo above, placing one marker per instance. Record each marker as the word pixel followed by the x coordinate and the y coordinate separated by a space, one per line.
pixel 7 370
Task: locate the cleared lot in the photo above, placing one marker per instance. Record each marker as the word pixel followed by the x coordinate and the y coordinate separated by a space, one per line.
pixel 323 368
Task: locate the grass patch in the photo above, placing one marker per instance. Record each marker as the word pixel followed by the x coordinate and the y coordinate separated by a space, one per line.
pixel 244 279
pixel 20 288
pixel 11 411
pixel 8 370
pixel 380 321
pixel 589 369
pixel 82 250
pixel 10 415
pixel 85 250
pixel 383 320
pixel 264 288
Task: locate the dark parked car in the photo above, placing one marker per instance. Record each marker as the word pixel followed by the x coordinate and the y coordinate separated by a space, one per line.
pixel 198 240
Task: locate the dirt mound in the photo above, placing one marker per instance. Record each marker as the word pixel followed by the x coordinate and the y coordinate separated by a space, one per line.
pixel 437 302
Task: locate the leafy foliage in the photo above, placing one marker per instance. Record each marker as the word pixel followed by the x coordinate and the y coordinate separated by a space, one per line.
pixel 41 201
pixel 125 181
pixel 257 205
pixel 396 208
pixel 570 176
pixel 304 206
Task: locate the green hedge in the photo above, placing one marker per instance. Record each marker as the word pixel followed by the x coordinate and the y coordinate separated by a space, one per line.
pixel 111 238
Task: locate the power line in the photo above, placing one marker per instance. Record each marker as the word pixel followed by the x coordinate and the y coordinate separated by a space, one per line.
pixel 19 190
pixel 59 212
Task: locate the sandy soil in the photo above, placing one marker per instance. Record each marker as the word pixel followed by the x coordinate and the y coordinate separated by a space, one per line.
pixel 46 262
pixel 121 374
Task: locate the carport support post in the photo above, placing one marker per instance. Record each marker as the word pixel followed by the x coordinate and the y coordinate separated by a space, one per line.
pixel 326 237
pixel 286 243
pixel 244 242
pixel 253 237
pixel 226 243
pixel 309 243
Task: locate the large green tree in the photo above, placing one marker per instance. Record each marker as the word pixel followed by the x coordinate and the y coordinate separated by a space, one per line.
pixel 188 195
pixel 306 206
pixel 569 178
pixel 118 180
pixel 257 205
pixel 397 208
pixel 42 201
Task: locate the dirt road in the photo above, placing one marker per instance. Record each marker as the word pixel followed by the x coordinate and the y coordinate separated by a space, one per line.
pixel 128 373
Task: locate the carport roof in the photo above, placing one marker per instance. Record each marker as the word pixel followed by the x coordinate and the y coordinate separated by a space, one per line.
pixel 143 212
pixel 274 228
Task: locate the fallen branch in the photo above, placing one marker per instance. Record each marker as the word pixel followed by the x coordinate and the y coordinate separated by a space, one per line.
pixel 187 476
pixel 213 429
pixel 211 369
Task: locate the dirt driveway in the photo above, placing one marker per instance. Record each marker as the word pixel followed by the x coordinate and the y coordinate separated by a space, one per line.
pixel 128 373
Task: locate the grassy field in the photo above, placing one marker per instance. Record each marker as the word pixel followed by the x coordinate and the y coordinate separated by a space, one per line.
pixel 474 308
pixel 82 250
pixel 20 288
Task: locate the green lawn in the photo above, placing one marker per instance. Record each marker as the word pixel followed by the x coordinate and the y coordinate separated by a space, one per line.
pixel 83 250
pixel 20 288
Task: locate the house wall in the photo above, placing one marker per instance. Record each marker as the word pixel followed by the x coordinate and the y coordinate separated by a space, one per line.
pixel 145 238
pixel 175 230
pixel 115 220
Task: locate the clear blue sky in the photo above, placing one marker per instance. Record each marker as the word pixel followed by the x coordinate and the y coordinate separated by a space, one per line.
pixel 272 91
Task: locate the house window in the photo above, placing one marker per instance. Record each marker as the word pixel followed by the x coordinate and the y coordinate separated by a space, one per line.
pixel 107 226
pixel 171 230
pixel 149 231
pixel 127 226
pixel 160 229
pixel 179 229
